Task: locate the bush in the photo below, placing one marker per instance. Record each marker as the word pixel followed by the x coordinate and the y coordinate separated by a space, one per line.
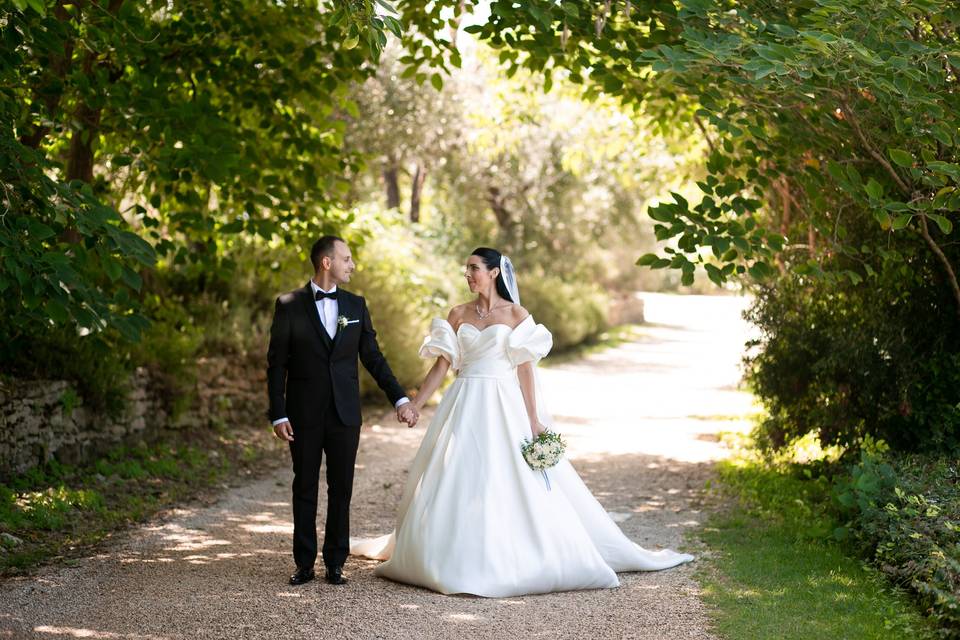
pixel 168 350
pixel 406 283
pixel 846 361
pixel 904 514
pixel 96 364
pixel 572 312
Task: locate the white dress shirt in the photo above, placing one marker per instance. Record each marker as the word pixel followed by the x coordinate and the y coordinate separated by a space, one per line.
pixel 328 308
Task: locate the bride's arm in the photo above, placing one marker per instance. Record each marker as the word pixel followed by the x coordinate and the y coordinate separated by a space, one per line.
pixel 431 382
pixel 527 386
pixel 437 372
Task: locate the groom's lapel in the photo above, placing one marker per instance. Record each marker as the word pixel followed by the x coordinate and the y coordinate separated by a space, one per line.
pixel 311 308
pixel 347 310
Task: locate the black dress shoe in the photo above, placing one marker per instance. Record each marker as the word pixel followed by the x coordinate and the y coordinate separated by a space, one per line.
pixel 335 575
pixel 302 576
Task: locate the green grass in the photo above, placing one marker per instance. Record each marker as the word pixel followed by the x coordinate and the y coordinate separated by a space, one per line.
pixel 774 572
pixel 62 511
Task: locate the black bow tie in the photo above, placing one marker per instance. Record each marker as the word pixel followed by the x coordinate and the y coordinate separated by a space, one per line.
pixel 322 294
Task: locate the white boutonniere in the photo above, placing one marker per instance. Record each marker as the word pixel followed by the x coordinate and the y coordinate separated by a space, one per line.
pixel 343 321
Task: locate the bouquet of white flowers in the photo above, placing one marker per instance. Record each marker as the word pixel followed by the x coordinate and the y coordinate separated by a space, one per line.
pixel 543 452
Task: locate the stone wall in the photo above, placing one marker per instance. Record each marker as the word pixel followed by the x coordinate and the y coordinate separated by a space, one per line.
pixel 42 420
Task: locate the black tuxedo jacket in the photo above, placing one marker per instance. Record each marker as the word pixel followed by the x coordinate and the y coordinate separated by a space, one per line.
pixel 306 370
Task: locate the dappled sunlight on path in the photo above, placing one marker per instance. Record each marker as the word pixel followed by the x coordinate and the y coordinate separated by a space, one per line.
pixel 641 420
pixel 668 394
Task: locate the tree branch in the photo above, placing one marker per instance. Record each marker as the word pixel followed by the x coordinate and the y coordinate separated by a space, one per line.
pixel 908 192
pixel 872 150
pixel 706 136
pixel 951 275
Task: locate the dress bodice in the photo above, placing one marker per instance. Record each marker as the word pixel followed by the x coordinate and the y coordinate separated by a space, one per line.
pixel 494 351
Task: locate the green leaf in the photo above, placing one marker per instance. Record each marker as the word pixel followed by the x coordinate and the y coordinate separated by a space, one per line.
pixel 661 213
pixel 112 268
pixel 901 157
pixel 942 134
pixel 835 169
pixel 714 274
pixel 949 169
pixel 760 271
pixel 393 25
pixel 945 225
pixel 895 205
pixel 132 279
pixel 56 311
pixel 902 221
pixel 874 189
pixel 853 175
pixel 647 259
pixel 38 230
pixel 883 218
pixel 436 81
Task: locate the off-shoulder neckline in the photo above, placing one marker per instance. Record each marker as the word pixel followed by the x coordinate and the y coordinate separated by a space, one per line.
pixel 495 324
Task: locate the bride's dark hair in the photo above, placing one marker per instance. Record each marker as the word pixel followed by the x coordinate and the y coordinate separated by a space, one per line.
pixel 491 258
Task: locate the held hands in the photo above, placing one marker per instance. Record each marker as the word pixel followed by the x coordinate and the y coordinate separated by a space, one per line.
pixel 405 413
pixel 408 413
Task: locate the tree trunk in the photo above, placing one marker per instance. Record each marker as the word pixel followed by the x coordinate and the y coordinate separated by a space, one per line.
pixel 497 202
pixel 391 184
pixel 81 157
pixel 415 191
pixel 783 189
pixel 80 160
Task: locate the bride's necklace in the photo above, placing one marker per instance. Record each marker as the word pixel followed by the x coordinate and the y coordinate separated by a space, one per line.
pixel 482 315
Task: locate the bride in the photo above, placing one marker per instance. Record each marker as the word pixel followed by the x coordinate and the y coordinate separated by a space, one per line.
pixel 474 518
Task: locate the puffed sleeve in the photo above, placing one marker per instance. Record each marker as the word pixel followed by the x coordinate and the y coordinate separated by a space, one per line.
pixel 442 342
pixel 528 342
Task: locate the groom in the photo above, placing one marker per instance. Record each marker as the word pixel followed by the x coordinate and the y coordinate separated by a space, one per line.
pixel 317 334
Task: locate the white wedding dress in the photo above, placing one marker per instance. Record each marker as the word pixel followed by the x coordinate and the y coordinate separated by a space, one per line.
pixel 474 518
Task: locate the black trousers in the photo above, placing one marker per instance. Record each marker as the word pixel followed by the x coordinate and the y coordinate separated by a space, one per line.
pixel 310 441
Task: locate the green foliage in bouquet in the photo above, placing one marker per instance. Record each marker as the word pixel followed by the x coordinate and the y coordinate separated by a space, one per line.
pixel 544 451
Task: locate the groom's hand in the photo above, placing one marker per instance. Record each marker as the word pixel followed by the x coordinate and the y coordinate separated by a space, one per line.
pixel 284 430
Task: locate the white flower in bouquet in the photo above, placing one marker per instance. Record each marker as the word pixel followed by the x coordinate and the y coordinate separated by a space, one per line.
pixel 544 451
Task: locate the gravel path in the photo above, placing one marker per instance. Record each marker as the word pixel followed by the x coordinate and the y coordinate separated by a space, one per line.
pixel 641 421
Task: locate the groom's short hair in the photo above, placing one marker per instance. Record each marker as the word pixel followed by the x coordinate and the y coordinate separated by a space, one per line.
pixel 323 247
